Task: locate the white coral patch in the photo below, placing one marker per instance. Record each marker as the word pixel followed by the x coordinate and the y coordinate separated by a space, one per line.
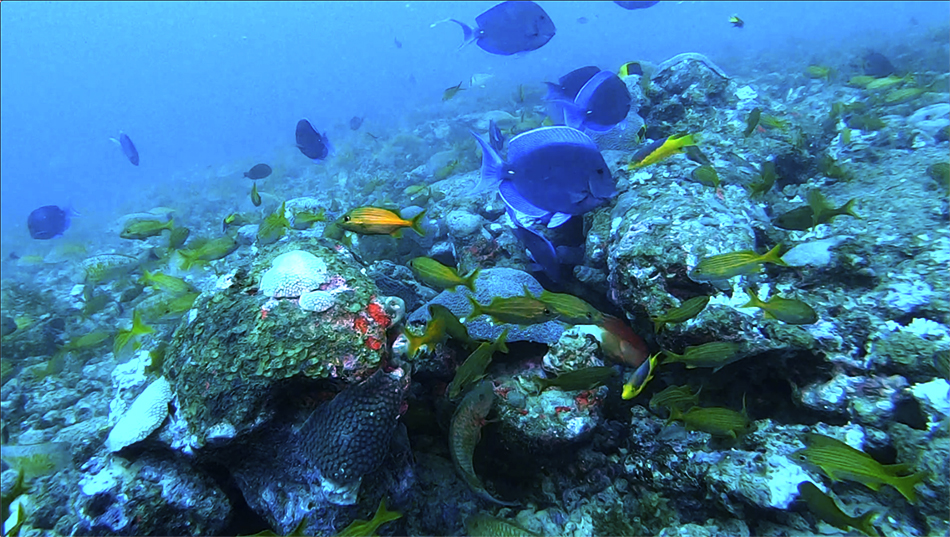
pixel 293 274
pixel 146 414
pixel 316 301
pixel 784 477
pixel 935 396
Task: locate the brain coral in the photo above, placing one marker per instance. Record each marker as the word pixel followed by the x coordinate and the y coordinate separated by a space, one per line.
pixel 292 274
pixel 350 436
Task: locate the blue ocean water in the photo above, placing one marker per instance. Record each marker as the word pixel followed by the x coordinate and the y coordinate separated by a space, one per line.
pixel 205 84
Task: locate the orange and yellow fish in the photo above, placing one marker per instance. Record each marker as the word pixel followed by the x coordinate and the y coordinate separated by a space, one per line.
pixel 379 221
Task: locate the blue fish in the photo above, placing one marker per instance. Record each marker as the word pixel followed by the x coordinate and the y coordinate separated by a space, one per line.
pixel 602 103
pixel 509 28
pixel 540 248
pixel 551 172
pixel 48 222
pixel 636 5
pixel 568 85
pixel 128 148
pixel 495 137
pixel 311 143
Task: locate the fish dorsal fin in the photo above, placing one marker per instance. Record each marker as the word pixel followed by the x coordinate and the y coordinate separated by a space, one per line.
pixel 516 202
pixel 525 143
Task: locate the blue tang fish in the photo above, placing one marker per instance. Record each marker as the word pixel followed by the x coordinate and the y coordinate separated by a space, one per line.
pixel 636 5
pixel 495 137
pixel 602 103
pixel 128 148
pixel 48 222
pixel 551 173
pixel 509 28
pixel 311 143
pixel 571 83
pixel 540 248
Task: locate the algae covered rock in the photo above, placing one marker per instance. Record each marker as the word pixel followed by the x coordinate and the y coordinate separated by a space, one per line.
pixel 540 421
pixel 238 344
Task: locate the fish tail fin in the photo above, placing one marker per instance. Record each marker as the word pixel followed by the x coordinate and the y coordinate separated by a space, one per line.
pixel 754 300
pixel 502 338
pixel 416 224
pixel 773 256
pixel 675 414
pixel 138 325
pixel 469 281
pixel 415 343
pixel 848 209
pixel 865 523
pixel 658 325
pixel 476 307
pixel 684 140
pixel 122 338
pixel 170 225
pixel 187 259
pixel 384 515
pixel 492 164
pixel 905 485
pixel 672 357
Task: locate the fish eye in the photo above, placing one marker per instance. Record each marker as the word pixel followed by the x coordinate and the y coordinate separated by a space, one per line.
pixel 600 171
pixel 346 218
pixel 590 315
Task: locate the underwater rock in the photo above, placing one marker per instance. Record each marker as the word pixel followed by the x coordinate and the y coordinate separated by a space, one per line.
pixel 654 237
pixel 462 223
pixel 247 234
pixel 443 252
pixel 155 496
pixel 491 283
pixel 226 362
pixel 694 81
pixel 931 119
pixel 815 253
pixel 907 350
pixel 398 280
pixel 553 420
